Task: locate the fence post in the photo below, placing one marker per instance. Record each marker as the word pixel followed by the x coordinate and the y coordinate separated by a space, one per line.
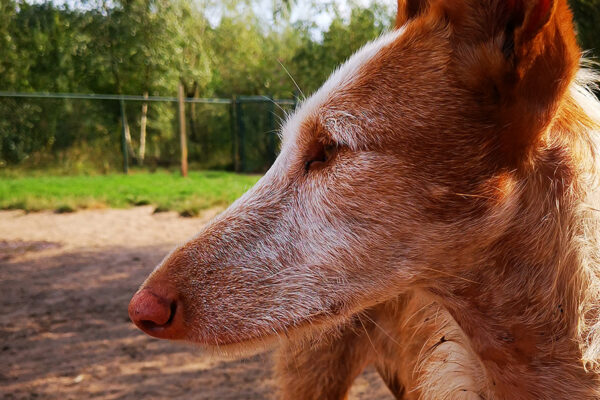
pixel 240 135
pixel 296 96
pixel 232 127
pixel 182 136
pixel 123 139
pixel 272 133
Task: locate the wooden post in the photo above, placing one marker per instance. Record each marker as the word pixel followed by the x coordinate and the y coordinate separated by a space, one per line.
pixel 182 136
pixel 143 122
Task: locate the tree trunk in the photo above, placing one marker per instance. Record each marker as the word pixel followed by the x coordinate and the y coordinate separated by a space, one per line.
pixel 182 136
pixel 116 75
pixel 142 152
pixel 193 132
pixel 128 139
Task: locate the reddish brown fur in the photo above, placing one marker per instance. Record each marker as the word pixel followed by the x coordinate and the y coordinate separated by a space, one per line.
pixel 434 215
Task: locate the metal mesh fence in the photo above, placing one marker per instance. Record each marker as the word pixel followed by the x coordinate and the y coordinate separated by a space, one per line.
pixel 87 131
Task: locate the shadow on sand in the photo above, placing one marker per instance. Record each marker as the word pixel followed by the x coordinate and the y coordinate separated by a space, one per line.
pixel 65 334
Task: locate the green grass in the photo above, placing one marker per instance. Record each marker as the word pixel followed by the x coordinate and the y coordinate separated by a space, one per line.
pixel 164 190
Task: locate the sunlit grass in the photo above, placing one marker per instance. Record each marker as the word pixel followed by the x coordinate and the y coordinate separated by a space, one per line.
pixel 164 190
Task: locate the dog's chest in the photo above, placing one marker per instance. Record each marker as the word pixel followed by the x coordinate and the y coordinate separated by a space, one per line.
pixel 424 350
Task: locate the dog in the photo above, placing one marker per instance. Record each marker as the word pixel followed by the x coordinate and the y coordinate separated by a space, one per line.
pixel 433 212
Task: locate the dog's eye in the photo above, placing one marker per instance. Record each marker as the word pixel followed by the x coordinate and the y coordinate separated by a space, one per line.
pixel 319 156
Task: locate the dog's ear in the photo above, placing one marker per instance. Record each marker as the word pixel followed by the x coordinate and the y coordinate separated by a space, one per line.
pixel 522 54
pixel 409 9
pixel 524 20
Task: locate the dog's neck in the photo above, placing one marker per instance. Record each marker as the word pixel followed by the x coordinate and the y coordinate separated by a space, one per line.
pixel 528 310
pixel 521 319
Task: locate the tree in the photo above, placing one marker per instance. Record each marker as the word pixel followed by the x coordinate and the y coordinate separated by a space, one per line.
pixel 151 53
pixel 149 47
pixel 339 42
pixel 587 19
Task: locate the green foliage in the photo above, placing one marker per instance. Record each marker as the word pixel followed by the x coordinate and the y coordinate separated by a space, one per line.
pixel 339 42
pixel 166 191
pixel 587 18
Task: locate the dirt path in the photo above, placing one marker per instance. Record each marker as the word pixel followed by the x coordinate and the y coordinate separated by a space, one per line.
pixel 65 282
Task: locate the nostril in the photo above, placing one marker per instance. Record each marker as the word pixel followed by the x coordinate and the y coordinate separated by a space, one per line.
pixel 173 310
pixel 147 324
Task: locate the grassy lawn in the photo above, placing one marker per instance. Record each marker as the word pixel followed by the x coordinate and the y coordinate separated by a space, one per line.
pixel 164 190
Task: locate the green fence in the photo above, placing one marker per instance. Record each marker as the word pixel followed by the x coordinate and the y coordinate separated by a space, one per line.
pixel 105 131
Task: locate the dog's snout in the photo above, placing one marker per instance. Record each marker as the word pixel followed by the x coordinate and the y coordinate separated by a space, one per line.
pixel 156 311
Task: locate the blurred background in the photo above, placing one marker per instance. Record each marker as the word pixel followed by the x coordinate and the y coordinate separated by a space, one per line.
pixel 135 114
pixel 220 52
pixel 91 87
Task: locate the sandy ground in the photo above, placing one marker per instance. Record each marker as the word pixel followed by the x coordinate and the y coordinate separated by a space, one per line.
pixel 65 282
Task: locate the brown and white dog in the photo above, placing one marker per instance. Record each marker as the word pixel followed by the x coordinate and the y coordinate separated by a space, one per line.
pixel 434 211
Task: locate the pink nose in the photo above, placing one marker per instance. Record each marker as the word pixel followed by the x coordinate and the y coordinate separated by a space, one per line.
pixel 156 312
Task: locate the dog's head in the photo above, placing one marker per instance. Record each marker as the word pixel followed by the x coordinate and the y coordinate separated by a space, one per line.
pixel 396 173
